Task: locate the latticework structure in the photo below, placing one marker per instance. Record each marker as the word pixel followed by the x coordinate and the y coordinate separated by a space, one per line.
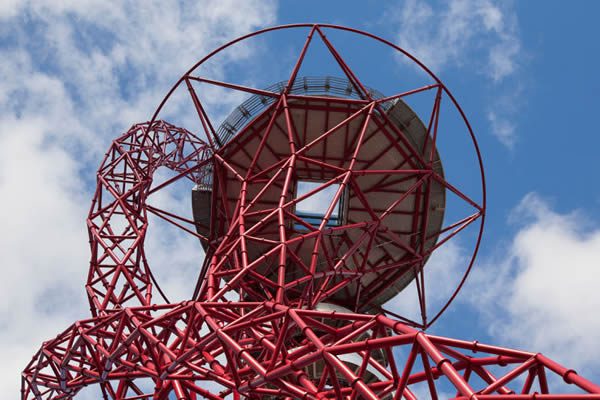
pixel 289 302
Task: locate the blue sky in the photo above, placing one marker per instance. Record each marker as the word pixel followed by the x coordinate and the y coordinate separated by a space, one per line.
pixel 73 75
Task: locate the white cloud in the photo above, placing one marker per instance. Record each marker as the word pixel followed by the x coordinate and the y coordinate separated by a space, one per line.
pixel 451 35
pixel 503 128
pixel 74 75
pixel 543 295
pixel 319 202
pixel 476 36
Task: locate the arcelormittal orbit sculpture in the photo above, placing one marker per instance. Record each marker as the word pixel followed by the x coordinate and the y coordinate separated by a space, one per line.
pixel 316 201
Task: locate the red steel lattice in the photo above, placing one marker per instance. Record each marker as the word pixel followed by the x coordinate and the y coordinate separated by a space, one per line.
pixel 285 306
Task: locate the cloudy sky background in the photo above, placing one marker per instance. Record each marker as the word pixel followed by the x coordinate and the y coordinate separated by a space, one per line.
pixel 75 74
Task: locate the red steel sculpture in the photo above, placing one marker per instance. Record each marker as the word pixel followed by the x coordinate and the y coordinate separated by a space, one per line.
pixel 289 303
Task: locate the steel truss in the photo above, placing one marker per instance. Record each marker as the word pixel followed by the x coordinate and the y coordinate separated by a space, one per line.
pixel 262 324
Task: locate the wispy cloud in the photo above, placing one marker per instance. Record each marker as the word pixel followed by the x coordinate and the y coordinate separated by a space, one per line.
pixel 451 35
pixel 503 128
pixel 476 36
pixel 74 75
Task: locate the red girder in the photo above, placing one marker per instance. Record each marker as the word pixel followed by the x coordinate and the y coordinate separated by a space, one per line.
pixel 283 336
pixel 269 344
pixel 119 274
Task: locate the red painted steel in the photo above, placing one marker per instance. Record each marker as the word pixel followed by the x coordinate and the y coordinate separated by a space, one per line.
pixel 283 308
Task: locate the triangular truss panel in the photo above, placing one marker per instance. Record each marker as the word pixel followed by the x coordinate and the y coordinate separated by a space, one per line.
pixel 316 201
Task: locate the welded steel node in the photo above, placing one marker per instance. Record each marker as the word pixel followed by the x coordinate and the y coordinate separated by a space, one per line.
pixel 317 200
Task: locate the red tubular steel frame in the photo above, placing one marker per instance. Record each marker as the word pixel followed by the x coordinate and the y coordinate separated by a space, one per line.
pixel 272 342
